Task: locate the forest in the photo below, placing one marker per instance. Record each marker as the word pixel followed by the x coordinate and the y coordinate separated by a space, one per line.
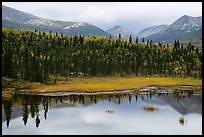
pixel 35 56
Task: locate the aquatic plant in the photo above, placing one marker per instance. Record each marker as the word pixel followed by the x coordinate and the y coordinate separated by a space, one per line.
pixel 150 107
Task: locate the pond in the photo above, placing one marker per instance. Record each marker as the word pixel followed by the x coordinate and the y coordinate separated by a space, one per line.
pixel 102 114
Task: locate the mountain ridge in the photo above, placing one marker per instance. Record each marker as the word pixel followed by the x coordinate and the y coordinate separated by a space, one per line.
pixel 124 31
pixel 19 19
pixel 151 30
pixel 182 28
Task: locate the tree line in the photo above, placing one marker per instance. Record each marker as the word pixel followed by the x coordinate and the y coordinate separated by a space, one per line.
pixel 35 56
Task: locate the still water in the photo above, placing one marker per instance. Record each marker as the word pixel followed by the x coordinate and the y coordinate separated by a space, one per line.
pixel 88 114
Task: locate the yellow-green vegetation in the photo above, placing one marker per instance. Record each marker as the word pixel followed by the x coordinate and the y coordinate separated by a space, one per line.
pixel 7 93
pixel 35 56
pixel 95 84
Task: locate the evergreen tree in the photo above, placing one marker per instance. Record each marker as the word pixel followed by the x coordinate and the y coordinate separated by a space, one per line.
pixel 33 56
pixel 136 40
pixel 130 39
pixel 143 39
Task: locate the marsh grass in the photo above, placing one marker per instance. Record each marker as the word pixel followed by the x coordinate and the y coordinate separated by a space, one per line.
pixel 150 107
pixel 94 84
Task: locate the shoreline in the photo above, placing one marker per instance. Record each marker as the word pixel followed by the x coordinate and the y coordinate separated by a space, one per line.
pixel 177 88
pixel 96 85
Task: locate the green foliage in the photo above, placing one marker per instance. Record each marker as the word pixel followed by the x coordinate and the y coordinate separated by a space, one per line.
pixel 33 56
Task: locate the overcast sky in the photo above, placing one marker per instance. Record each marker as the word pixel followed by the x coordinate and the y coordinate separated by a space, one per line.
pixel 134 15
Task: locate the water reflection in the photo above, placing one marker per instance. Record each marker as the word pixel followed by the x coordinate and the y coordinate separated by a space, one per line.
pixel 7 110
pixel 184 103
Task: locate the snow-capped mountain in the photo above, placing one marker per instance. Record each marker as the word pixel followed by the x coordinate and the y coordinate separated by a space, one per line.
pixel 22 20
pixel 125 32
pixel 16 15
pixel 186 28
pixel 151 30
pixel 187 24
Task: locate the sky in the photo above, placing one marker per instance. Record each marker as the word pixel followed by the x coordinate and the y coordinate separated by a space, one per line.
pixel 136 16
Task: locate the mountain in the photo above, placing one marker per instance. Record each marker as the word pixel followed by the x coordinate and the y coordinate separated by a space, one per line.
pixel 17 19
pixel 151 30
pixel 187 105
pixel 194 37
pixel 187 23
pixel 125 32
pixel 16 15
pixel 184 28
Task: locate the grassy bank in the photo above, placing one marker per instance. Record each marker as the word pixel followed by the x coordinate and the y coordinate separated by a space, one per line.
pixel 94 84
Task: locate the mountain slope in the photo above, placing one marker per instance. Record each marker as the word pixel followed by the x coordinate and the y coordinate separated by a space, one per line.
pixel 194 37
pixel 151 30
pixel 183 28
pixel 17 19
pixel 125 32
pixel 16 15
pixel 187 23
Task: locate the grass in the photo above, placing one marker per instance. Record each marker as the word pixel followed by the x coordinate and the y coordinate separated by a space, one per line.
pixel 95 84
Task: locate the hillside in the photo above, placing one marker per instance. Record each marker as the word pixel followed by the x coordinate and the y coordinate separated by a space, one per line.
pixel 125 32
pixel 13 18
pixel 185 28
pixel 151 30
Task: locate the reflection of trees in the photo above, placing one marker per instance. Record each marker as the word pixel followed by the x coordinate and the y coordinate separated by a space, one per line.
pixel 150 96
pixel 118 97
pixel 7 111
pixel 31 104
pixel 82 99
pixel 129 98
pixel 91 98
pixel 136 98
pixel 147 95
pixel 25 113
pixel 45 106
pixel 181 95
pixel 109 98
pixel 25 110
pixel 95 99
pixel 37 121
pixel 32 110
